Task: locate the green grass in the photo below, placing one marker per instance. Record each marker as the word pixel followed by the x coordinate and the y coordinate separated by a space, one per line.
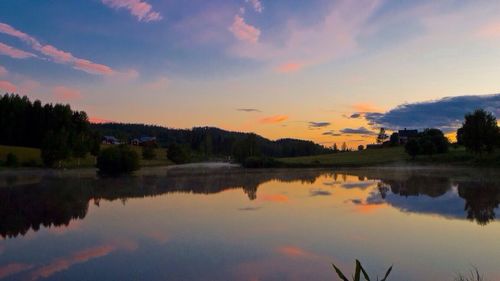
pixel 392 155
pixel 366 157
pixel 30 157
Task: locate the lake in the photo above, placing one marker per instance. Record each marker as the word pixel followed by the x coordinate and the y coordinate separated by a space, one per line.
pixel 236 224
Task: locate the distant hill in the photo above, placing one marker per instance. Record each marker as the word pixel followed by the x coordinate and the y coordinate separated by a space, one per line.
pixel 210 140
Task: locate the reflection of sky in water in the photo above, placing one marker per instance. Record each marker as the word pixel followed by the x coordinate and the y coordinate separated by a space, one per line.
pixel 285 225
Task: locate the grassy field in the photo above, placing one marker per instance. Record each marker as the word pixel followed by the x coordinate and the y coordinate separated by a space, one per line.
pixel 392 155
pixel 367 157
pixel 30 157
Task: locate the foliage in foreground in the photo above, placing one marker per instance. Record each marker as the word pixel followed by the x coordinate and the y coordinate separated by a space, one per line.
pixel 117 160
pixel 357 273
pixel 473 275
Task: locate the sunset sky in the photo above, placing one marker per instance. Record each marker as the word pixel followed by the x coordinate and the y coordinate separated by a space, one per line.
pixel 328 71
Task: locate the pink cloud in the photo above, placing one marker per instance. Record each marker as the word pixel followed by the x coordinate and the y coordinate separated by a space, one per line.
pixel 143 11
pixel 66 262
pixel 92 68
pixel 273 119
pixel 289 67
pixel 159 84
pixel 490 30
pixel 7 86
pixel 256 4
pixel 3 71
pixel 295 252
pixel 28 86
pixel 14 52
pixel 243 31
pixel 66 94
pixel 55 55
pixel 97 120
pixel 332 37
pixel 13 268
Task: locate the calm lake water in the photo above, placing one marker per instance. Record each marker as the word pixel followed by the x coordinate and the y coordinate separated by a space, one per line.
pixel 234 224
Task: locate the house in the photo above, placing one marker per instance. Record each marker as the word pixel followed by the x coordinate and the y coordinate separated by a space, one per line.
pixel 110 140
pixel 144 141
pixel 405 135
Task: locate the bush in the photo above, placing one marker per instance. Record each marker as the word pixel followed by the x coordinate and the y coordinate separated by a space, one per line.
pixel 11 160
pixel 117 160
pixel 148 153
pixel 178 154
pixel 260 162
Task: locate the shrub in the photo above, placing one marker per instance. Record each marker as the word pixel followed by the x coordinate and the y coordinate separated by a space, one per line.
pixel 11 160
pixel 178 154
pixel 260 162
pixel 412 147
pixel 148 152
pixel 117 160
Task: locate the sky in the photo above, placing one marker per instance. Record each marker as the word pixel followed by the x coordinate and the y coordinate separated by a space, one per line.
pixel 327 71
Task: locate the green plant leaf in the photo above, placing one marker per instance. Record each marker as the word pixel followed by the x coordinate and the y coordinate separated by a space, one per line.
pixel 340 274
pixel 357 271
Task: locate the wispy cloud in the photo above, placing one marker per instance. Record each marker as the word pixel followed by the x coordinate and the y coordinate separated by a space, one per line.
pixel 333 37
pixel 244 31
pixel 273 119
pixel 65 93
pixel 142 10
pixel 248 109
pixel 52 53
pixel 489 30
pixel 289 67
pixel 256 4
pixel 7 86
pixel 332 133
pixel 446 114
pixel 66 262
pixel 357 131
pixel 319 192
pixel 3 71
pixel 13 268
pixel 316 125
pixel 14 52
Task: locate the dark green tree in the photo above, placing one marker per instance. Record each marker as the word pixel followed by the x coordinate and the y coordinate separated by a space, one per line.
pixel 148 152
pixel 382 136
pixel 117 160
pixel 178 154
pixel 55 148
pixel 428 147
pixel 479 132
pixel 412 147
pixel 246 148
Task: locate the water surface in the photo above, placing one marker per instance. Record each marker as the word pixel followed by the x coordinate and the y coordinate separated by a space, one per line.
pixel 234 224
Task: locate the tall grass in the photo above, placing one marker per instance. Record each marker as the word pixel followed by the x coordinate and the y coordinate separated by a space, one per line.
pixel 473 275
pixel 357 273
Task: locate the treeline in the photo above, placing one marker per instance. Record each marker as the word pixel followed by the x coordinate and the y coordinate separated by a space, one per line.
pixel 479 134
pixel 57 130
pixel 212 142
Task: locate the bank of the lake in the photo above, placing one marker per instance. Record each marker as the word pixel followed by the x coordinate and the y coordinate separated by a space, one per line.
pixel 394 156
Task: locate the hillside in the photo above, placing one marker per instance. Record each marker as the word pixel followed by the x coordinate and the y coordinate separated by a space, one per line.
pixel 210 140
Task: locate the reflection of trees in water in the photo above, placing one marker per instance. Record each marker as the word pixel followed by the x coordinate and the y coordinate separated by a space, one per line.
pixel 481 200
pixel 49 201
pixel 416 185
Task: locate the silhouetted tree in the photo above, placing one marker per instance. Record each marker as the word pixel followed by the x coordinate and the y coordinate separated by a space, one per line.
pixel 335 148
pixel 479 131
pixel 246 148
pixel 344 147
pixel 117 160
pixel 55 148
pixel 394 139
pixel 382 136
pixel 428 147
pixel 412 147
pixel 178 154
pixel 361 147
pixel 148 152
